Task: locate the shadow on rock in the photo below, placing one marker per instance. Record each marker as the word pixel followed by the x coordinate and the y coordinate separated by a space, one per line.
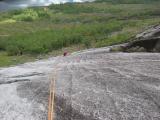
pixel 65 111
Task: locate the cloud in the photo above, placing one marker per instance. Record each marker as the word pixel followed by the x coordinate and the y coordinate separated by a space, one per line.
pixel 10 4
pixel 38 2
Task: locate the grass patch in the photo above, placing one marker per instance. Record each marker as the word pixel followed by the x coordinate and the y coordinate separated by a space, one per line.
pixel 6 60
pixel 42 30
pixel 128 1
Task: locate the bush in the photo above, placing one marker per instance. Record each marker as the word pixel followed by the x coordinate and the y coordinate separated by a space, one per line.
pixel 115 39
pixel 2 44
pixel 13 50
pixel 88 23
pixel 26 15
pixel 128 1
pixel 38 50
pixel 87 42
pixel 43 13
pixel 73 8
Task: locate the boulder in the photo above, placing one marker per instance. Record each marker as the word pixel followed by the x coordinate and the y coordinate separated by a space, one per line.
pixel 153 31
pixel 149 40
pixel 157 47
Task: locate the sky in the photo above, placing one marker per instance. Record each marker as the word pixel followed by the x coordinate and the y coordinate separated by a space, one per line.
pixel 39 2
pixel 12 4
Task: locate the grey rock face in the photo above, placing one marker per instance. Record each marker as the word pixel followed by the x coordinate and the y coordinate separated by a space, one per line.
pixel 149 40
pixel 108 86
pixel 24 91
pixel 90 85
pixel 157 47
pixel 153 31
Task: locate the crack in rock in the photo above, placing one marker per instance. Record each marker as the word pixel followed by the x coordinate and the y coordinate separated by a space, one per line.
pixel 14 81
pixel 28 75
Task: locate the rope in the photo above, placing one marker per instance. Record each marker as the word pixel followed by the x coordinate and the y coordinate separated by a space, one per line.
pixel 52 97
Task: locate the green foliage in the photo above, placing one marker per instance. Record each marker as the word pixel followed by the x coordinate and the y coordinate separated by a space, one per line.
pixel 87 43
pixel 48 40
pixel 12 50
pixel 26 15
pixel 43 13
pixel 128 1
pixel 114 39
pixel 6 60
pixel 73 8
pixel 64 25
pixel 30 14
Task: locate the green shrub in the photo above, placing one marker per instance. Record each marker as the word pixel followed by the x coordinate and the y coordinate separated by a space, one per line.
pixel 13 50
pixel 87 43
pixel 16 12
pixel 2 44
pixel 71 8
pixel 115 39
pixel 26 15
pixel 128 1
pixel 44 13
pixel 63 25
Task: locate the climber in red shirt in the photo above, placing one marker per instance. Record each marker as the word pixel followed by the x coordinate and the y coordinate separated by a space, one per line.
pixel 65 53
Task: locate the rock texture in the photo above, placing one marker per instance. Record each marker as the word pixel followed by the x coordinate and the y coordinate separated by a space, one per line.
pixel 149 40
pixel 90 85
pixel 24 91
pixel 108 86
pixel 153 31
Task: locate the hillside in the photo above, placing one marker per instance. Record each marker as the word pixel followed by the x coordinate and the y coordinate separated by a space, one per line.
pixel 129 1
pixel 27 33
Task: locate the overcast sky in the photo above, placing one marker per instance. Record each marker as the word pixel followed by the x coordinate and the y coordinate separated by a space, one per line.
pixel 11 4
pixel 39 2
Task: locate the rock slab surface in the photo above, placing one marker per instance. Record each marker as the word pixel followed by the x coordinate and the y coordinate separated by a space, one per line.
pixel 90 85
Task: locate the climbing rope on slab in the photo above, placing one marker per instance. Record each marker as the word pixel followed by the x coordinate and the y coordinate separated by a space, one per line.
pixel 52 97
